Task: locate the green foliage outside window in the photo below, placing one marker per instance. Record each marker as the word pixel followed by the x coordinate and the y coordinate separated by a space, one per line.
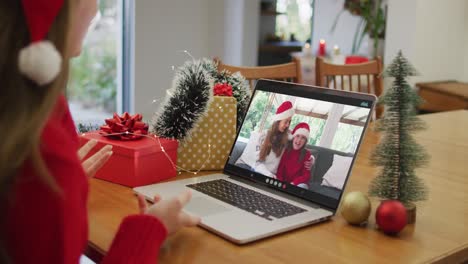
pixel 296 20
pixel 254 116
pixel 316 126
pixel 93 77
pixel 347 138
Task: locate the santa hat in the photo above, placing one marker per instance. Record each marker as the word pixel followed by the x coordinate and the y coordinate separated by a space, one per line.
pixel 285 110
pixel 40 61
pixel 301 129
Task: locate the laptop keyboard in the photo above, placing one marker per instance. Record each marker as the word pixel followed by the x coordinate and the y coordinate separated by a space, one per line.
pixel 247 199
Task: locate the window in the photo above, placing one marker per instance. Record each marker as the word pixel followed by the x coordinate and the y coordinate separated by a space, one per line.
pixel 347 137
pixel 316 126
pixel 98 84
pixel 253 119
pixel 297 21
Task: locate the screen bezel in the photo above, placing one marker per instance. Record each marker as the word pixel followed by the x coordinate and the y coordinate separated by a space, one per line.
pixel 311 92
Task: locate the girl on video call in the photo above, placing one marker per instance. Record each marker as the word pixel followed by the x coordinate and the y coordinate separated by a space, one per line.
pixel 292 167
pixel 263 151
pixel 43 173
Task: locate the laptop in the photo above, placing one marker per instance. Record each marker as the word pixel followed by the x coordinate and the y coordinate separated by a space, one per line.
pixel 243 204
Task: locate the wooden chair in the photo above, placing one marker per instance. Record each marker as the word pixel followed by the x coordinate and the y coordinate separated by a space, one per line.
pixel 363 77
pixel 289 72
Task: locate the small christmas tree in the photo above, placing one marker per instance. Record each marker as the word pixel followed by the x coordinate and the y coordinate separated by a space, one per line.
pixel 398 153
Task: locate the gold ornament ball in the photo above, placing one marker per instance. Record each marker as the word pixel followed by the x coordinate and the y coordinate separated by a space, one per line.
pixel 356 208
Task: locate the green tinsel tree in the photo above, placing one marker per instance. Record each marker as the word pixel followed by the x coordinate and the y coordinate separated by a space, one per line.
pixel 187 102
pixel 398 153
pixel 190 96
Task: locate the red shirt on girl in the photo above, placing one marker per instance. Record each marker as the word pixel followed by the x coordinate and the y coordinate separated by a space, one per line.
pixel 42 226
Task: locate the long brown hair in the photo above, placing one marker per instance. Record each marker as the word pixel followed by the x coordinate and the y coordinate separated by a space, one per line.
pixel 25 106
pixel 274 140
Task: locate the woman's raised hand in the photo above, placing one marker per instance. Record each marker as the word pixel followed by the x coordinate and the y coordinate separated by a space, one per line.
pixel 170 211
pixel 92 164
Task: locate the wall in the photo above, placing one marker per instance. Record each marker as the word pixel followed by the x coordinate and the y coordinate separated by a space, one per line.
pixel 250 42
pixel 440 40
pixel 203 27
pixel 464 76
pixel 162 30
pixel 400 29
pixel 432 35
pixel 324 16
pixel 233 10
pixel 241 24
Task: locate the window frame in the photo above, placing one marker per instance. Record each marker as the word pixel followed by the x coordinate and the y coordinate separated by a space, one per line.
pixel 126 62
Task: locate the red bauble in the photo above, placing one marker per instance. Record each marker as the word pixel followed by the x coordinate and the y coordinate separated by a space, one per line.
pixel 391 217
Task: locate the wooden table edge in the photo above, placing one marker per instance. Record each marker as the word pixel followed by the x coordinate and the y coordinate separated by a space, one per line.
pixel 458 255
pixel 93 252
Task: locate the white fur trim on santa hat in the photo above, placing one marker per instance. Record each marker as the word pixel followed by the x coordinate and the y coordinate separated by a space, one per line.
pixel 283 115
pixel 302 131
pixel 40 62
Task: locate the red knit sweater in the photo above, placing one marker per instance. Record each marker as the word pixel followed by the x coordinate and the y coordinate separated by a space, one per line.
pixel 42 226
pixel 291 170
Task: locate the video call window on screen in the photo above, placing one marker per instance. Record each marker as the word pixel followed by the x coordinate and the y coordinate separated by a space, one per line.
pixel 314 152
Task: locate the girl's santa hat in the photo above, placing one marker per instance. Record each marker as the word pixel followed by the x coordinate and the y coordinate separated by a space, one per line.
pixel 285 110
pixel 301 129
pixel 40 61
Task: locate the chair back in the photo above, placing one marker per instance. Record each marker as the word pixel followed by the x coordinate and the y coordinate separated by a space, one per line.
pixel 289 72
pixel 362 77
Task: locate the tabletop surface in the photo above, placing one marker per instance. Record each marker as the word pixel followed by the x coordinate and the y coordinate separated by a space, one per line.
pixel 440 233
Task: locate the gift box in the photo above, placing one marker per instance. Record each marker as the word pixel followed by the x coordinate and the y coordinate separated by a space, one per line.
pixel 211 140
pixel 136 162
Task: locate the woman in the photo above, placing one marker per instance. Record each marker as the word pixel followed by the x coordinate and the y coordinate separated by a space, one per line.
pixel 263 151
pixel 43 182
pixel 292 167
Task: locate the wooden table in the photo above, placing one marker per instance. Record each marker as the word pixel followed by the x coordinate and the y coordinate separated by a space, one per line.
pixel 439 235
pixel 443 96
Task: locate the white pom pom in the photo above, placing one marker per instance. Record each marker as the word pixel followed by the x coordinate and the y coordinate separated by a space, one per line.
pixel 40 62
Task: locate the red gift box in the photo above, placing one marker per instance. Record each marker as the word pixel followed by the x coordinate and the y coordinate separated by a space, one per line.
pixel 135 162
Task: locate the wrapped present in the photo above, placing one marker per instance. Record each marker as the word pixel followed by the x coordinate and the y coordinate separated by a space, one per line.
pixel 212 138
pixel 138 159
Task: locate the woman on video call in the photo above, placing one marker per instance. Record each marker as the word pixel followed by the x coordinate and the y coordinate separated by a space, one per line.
pixel 292 167
pixel 263 151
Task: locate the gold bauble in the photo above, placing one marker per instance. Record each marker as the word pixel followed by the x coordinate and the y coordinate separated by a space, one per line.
pixel 356 208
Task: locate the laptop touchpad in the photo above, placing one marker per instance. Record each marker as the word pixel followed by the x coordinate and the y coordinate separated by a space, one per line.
pixel 202 206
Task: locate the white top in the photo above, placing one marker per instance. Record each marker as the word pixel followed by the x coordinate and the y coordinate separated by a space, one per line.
pixel 251 154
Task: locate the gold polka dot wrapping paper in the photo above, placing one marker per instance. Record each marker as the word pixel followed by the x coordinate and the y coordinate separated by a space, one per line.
pixel 212 138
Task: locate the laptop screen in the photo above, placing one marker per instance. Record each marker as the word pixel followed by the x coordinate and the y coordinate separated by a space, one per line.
pixel 300 139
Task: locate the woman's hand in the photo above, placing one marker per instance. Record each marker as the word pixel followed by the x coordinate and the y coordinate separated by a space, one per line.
pixel 309 163
pixel 92 164
pixel 170 211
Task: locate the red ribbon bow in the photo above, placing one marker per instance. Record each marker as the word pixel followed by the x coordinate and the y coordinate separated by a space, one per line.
pixel 125 127
pixel 222 89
